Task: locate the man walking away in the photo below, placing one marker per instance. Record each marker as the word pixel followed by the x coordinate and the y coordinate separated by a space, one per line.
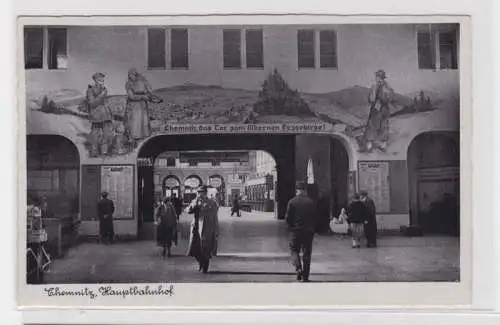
pixel 236 206
pixel 371 220
pixel 356 214
pixel 300 215
pixel 105 210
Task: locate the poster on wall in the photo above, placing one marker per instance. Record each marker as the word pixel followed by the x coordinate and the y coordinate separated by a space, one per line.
pixel 118 181
pixel 373 177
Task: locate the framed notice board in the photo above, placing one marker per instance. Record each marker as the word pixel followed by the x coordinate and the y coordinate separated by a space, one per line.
pixel 117 180
pixel 373 177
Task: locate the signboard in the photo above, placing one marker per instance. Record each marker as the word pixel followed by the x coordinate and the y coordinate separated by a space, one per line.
pixel 172 182
pixel 373 177
pixel 118 181
pixel 244 128
pixel 215 181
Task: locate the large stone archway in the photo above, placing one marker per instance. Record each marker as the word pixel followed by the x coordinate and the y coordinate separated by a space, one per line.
pixel 281 147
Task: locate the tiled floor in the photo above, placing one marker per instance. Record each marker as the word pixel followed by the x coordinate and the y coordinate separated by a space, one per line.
pixel 254 248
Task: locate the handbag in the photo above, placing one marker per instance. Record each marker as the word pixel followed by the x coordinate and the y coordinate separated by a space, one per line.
pixel 339 226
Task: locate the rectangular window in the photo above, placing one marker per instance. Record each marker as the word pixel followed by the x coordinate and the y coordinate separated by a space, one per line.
pixel 58 48
pixel 156 48
pixel 232 48
pixel 437 49
pixel 170 162
pixel 33 48
pixel 448 50
pixel 305 44
pixel 254 49
pixel 179 48
pixel 426 49
pixel 328 49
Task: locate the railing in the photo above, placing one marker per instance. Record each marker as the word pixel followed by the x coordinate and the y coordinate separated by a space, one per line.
pixel 258 205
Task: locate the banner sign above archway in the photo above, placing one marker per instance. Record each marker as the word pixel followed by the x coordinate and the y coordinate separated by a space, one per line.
pixel 245 128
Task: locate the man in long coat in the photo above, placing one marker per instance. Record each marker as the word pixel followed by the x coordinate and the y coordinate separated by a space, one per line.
pixel 105 210
pixel 371 220
pixel 204 229
pixel 300 217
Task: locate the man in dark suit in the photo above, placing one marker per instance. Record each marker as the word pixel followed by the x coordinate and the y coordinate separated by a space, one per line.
pixel 371 220
pixel 300 215
pixel 105 210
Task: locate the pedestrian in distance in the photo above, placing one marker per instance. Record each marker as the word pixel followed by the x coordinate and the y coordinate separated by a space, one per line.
pixel 235 207
pixel 300 217
pixel 105 211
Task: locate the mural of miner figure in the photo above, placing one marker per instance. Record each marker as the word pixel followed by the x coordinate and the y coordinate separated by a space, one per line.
pixel 376 134
pixel 101 134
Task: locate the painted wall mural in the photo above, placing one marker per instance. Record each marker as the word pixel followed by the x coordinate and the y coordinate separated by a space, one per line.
pixel 113 125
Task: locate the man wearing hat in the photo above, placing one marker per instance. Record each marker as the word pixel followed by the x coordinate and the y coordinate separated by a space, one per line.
pixel 105 210
pixel 204 228
pixel 101 133
pixel 300 215
pixel 376 134
pixel 371 219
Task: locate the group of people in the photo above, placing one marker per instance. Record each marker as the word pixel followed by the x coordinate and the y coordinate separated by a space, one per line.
pixel 300 217
pixel 204 229
pixel 361 216
pixel 106 136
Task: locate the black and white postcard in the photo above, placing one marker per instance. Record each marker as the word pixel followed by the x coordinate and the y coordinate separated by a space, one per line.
pixel 244 161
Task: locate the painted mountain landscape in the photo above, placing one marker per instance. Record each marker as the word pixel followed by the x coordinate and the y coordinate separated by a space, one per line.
pixel 275 102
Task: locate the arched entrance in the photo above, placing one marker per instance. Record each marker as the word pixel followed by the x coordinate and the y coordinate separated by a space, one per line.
pixel 53 166
pixel 53 172
pixel 171 185
pixel 434 178
pixel 281 147
pixel 291 152
pixel 191 184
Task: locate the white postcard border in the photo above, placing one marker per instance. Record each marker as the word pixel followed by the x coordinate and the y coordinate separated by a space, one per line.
pixel 271 295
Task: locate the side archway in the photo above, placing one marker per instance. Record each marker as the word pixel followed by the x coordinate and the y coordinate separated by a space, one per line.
pixel 53 171
pixel 434 182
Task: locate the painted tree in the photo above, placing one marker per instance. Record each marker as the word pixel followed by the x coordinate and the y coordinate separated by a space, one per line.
pixel 277 98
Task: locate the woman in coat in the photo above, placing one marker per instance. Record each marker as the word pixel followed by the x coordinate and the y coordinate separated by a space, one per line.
pixel 204 229
pixel 166 220
pixel 139 94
